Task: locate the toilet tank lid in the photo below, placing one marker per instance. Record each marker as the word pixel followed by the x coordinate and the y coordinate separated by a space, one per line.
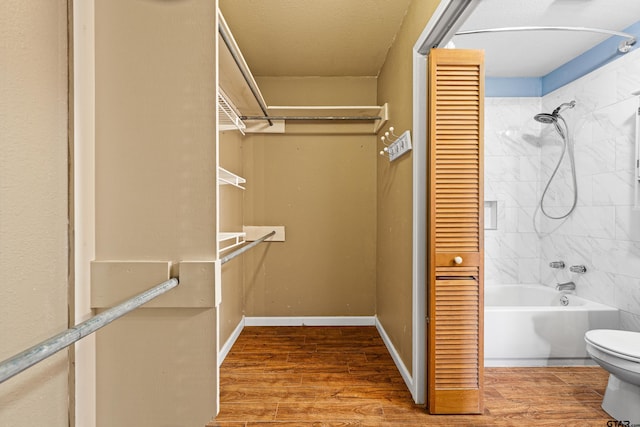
pixel 622 342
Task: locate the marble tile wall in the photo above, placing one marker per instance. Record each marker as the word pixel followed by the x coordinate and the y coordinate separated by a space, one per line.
pixel 603 232
pixel 512 174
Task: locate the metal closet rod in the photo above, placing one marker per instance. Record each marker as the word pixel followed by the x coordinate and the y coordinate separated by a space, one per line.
pixel 37 353
pixel 44 349
pixel 623 47
pixel 245 248
pixel 352 118
pixel 245 73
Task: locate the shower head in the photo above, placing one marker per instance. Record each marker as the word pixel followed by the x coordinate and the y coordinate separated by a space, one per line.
pixel 547 118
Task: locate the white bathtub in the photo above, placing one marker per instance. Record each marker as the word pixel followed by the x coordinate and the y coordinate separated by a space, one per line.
pixel 527 325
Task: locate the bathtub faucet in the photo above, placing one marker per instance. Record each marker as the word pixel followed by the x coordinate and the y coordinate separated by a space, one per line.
pixel 568 286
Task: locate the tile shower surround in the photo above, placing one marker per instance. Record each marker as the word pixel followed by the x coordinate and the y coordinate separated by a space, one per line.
pixel 603 232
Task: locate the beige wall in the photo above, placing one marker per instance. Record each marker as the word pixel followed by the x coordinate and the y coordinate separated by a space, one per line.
pixel 33 206
pixel 155 130
pixel 395 186
pixel 319 182
pixel 318 90
pixel 155 201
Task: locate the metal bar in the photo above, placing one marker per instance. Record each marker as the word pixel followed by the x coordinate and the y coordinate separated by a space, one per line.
pixel 39 352
pixel 243 249
pixel 546 28
pixel 354 118
pixel 624 47
pixel 226 37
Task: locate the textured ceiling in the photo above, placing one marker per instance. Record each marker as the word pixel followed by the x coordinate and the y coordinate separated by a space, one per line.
pixel 535 54
pixel 352 37
pixel 314 37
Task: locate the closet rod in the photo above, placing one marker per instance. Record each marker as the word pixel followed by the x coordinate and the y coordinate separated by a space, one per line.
pixel 226 37
pixel 245 248
pixel 354 118
pixel 37 353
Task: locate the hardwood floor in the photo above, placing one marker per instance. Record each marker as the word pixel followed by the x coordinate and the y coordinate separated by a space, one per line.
pixel 344 376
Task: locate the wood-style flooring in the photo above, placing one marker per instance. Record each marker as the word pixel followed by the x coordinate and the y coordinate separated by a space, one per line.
pixel 344 376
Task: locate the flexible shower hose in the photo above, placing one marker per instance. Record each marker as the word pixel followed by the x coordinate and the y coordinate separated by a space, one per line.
pixel 566 143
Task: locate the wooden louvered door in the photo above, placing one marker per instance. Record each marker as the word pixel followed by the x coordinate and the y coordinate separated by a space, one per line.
pixel 455 249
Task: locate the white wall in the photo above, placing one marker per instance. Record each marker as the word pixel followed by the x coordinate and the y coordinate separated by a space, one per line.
pixel 603 233
pixel 33 206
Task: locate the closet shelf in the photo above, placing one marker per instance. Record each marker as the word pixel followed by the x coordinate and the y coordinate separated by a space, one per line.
pixel 229 178
pixel 378 114
pixel 364 111
pixel 231 239
pixel 243 95
pixel 228 119
pixel 234 76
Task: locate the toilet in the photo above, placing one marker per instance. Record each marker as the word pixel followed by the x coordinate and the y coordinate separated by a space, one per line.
pixel 619 353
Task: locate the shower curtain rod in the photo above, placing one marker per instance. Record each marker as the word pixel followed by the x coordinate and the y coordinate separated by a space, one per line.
pixel 624 46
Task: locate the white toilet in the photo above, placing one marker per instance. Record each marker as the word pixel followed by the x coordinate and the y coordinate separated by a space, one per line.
pixel 619 353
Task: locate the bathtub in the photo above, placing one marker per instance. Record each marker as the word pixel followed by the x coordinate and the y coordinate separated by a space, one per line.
pixel 527 325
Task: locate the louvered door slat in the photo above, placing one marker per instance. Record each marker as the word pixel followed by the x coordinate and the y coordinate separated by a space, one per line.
pixel 455 354
pixel 457 322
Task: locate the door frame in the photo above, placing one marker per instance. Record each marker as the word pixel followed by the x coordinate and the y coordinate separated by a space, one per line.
pixel 445 21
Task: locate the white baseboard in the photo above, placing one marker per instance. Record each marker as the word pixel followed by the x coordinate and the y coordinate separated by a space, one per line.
pixel 224 350
pixel 406 375
pixel 311 321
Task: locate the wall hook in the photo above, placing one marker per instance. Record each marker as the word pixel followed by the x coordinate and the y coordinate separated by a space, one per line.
pixel 398 144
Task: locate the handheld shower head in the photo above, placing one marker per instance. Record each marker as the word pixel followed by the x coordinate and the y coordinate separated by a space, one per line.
pixel 561 127
pixel 547 118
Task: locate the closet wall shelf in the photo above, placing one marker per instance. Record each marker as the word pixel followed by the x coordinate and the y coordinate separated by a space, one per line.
pixel 377 114
pixel 229 178
pixel 234 76
pixel 366 112
pixel 241 91
pixel 228 118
